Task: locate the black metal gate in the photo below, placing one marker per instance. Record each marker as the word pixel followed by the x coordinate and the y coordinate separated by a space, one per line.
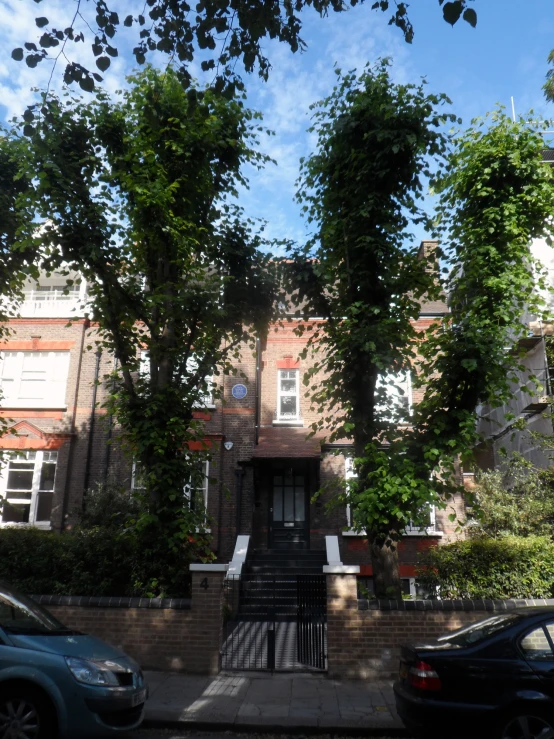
pixel 274 622
pixel 311 620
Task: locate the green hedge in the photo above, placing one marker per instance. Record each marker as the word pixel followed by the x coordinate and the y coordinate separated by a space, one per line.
pixel 509 567
pixel 92 562
pixel 87 562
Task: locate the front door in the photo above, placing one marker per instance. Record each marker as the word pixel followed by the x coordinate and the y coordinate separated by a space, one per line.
pixel 288 512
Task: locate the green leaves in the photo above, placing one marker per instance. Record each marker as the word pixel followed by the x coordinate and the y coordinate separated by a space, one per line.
pixel 512 567
pixel 245 30
pixel 133 194
pixel 103 63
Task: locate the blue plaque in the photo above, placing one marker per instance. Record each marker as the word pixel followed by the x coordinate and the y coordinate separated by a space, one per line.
pixel 239 391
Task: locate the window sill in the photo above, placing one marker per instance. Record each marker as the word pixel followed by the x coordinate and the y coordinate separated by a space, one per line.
pixel 43 526
pixel 292 422
pixel 32 407
pixel 423 532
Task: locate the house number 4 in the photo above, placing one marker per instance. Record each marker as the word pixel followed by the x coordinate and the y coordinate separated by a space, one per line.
pixel 204 583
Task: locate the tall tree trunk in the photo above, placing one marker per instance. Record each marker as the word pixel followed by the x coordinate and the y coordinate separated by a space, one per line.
pixel 386 572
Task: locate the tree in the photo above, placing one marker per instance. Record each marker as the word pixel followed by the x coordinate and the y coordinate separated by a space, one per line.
pixel 220 33
pixel 518 501
pixel 137 196
pixel 361 190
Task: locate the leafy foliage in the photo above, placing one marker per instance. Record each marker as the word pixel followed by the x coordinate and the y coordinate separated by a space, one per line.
pixel 361 191
pixel 219 33
pixel 107 506
pixel 515 502
pixel 137 196
pixel 509 567
pixel 82 562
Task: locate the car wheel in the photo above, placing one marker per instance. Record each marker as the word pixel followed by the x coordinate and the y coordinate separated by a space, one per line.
pixel 528 724
pixel 25 714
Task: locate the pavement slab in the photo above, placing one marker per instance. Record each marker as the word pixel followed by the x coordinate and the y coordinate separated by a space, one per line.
pixel 265 701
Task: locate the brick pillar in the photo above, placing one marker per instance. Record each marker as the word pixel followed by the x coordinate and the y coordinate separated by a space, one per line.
pixel 205 636
pixel 342 624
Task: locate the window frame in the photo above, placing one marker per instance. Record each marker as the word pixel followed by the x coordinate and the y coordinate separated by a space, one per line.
pixel 206 400
pixel 410 530
pixel 186 493
pixel 279 416
pixel 397 402
pixel 56 375
pixel 33 502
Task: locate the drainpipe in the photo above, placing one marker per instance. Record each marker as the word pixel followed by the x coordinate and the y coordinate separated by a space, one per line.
pixel 91 424
pixel 239 472
pixel 258 402
pixel 109 434
pixel 69 472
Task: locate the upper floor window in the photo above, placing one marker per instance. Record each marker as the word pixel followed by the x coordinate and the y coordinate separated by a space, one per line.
pixel 288 405
pixel 195 491
pixel 206 389
pixel 27 487
pixel 397 391
pixel 426 525
pixel 33 379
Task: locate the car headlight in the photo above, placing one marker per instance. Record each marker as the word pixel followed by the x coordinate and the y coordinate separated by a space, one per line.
pixel 91 673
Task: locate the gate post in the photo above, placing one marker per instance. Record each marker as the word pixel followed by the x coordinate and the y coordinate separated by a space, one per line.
pixel 204 655
pixel 342 602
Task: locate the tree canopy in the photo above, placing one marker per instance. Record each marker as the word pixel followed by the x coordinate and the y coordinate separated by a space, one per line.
pixel 361 189
pixel 220 34
pixel 137 196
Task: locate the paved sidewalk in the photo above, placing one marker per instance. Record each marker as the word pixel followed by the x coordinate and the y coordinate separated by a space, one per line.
pixel 266 702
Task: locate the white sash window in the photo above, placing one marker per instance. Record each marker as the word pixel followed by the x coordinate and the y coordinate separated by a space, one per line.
pixel 33 379
pixel 27 487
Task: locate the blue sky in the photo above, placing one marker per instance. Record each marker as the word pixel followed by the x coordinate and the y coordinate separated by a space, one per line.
pixel 504 56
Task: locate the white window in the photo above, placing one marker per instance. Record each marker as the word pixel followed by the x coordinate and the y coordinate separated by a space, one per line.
pixel 349 474
pixel 27 487
pixel 206 396
pixel 425 527
pixel 33 379
pixel 288 406
pixel 195 491
pixel 397 389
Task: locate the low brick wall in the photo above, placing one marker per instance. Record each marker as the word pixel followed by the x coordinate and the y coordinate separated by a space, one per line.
pixel 364 637
pixel 169 634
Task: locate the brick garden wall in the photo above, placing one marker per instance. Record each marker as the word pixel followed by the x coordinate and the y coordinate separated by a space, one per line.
pixel 364 638
pixel 170 634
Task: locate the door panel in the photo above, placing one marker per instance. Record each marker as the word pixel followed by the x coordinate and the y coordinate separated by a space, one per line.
pixel 288 512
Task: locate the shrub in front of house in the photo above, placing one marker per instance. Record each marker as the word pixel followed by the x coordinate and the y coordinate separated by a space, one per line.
pixel 84 562
pixel 94 562
pixel 507 567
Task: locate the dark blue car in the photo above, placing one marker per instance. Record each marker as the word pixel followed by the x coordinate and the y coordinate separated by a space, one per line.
pixel 58 682
pixel 494 678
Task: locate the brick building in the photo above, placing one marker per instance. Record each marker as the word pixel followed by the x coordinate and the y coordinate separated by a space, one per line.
pixel 263 472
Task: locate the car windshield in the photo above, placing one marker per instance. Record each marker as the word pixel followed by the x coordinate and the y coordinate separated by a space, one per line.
pixel 21 615
pixel 481 630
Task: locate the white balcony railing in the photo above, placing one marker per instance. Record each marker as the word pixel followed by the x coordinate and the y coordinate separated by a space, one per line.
pixel 50 304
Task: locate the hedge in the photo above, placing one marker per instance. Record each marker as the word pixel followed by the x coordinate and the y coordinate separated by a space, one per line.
pixel 508 567
pixel 93 562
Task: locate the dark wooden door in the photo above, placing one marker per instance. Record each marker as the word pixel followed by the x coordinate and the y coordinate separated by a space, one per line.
pixel 288 512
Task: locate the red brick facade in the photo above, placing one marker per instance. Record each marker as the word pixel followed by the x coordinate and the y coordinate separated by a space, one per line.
pixel 264 446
